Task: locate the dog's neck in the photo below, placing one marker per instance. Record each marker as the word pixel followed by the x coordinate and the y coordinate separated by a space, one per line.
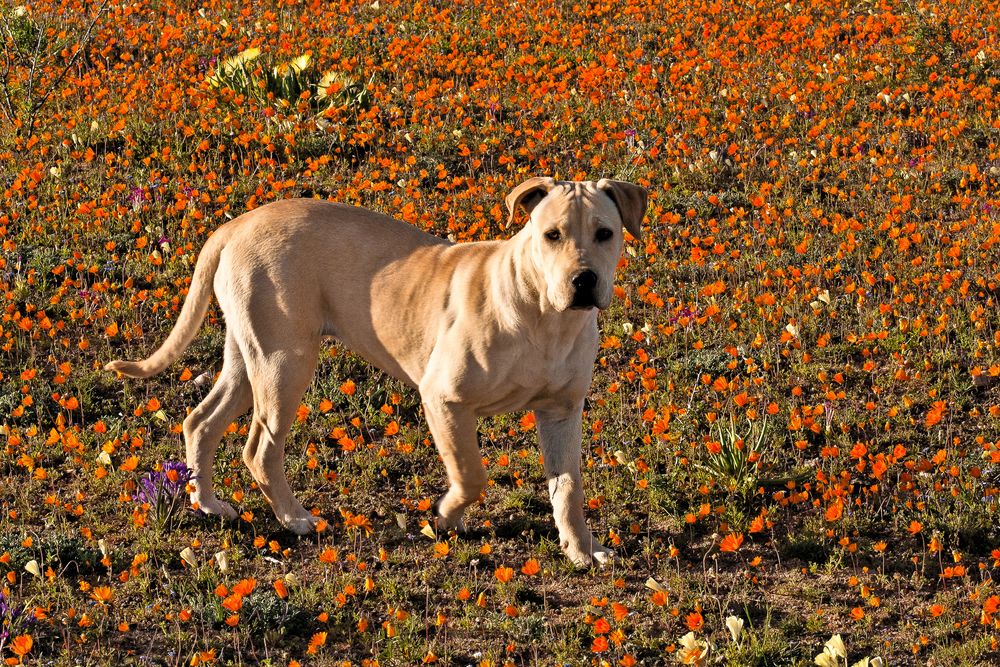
pixel 519 286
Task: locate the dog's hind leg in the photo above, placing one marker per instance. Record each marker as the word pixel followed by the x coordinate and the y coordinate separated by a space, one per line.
pixel 204 427
pixel 279 380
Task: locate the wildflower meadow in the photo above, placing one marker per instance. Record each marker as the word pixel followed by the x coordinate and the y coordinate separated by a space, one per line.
pixel 793 436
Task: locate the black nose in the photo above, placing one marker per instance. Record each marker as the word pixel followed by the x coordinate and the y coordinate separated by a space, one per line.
pixel 583 294
pixel 585 280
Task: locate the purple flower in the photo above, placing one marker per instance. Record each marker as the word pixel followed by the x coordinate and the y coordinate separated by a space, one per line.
pixel 493 112
pixel 137 196
pixel 685 313
pixel 630 137
pixel 163 490
pixel 12 620
pixel 170 481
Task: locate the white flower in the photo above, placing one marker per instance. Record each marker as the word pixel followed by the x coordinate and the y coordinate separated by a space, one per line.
pixel 735 626
pixel 188 557
pixel 653 584
pixel 32 567
pixel 836 647
pixel 832 653
pixel 300 63
pixel 869 662
pixel 695 651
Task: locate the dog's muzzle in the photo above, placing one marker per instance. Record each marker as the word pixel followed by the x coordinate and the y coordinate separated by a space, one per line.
pixel 584 284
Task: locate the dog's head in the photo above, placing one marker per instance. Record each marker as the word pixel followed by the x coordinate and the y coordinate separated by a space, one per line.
pixel 575 235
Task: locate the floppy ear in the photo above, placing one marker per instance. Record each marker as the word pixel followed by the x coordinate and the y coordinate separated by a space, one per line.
pixel 528 194
pixel 631 201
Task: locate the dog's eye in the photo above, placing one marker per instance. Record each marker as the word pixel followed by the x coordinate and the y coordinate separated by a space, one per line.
pixel 603 234
pixel 553 235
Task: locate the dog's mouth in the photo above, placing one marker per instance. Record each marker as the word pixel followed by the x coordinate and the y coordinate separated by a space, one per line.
pixel 583 301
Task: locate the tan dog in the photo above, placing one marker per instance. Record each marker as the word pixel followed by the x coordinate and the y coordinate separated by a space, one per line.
pixel 478 328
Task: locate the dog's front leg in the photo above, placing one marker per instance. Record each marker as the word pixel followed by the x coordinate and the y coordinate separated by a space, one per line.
pixel 559 435
pixel 454 429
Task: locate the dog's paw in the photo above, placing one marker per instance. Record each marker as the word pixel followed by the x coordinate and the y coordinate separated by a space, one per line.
pixel 449 521
pixel 604 556
pixel 454 522
pixel 599 555
pixel 301 525
pixel 215 507
pixel 444 525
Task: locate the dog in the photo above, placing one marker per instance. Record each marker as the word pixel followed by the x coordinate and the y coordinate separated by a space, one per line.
pixel 477 328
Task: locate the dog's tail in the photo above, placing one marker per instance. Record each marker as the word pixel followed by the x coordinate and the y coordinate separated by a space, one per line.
pixel 192 313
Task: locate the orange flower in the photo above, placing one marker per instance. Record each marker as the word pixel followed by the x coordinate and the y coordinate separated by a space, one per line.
pixel 233 603
pixel 102 594
pixel 731 542
pixel 356 521
pixel 504 574
pixel 528 421
pixel 315 642
pixel 21 645
pixel 244 587
pixel 935 414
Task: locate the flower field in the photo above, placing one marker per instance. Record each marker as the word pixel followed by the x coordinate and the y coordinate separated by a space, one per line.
pixel 794 427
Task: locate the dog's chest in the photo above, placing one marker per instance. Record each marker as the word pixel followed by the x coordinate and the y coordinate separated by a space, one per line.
pixel 540 365
pixel 536 377
pixel 551 370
